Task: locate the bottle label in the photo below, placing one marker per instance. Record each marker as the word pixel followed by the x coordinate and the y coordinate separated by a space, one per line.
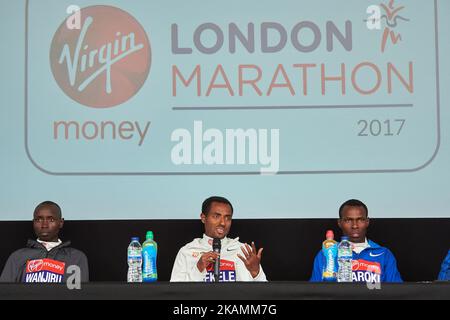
pixel 330 252
pixel 149 263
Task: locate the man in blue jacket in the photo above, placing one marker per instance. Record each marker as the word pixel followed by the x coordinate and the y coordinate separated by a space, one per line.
pixel 371 262
pixel 445 268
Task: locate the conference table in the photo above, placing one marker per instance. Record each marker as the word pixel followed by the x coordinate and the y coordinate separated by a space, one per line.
pixel 268 291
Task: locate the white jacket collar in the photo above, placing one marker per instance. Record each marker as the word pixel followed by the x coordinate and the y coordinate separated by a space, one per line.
pixel 225 242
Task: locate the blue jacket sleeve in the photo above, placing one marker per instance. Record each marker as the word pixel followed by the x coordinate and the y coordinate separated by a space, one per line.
pixel 390 272
pixel 318 267
pixel 445 268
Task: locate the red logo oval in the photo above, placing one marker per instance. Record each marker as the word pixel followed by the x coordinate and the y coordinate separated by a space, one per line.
pixel 105 62
pixel 35 265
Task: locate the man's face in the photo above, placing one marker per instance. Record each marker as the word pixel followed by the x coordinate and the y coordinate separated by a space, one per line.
pixel 47 224
pixel 218 220
pixel 354 223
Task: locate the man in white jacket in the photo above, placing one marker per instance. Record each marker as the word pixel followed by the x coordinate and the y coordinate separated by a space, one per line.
pixel 238 261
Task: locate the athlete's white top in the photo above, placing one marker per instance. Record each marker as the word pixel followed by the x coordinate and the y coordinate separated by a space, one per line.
pixel 231 266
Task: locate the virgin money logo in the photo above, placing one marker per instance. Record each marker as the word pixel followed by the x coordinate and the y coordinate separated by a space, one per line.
pixel 105 62
pixel 35 265
pixel 369 266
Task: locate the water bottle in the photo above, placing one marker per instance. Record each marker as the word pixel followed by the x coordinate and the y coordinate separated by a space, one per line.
pixel 329 250
pixel 149 253
pixel 345 255
pixel 134 261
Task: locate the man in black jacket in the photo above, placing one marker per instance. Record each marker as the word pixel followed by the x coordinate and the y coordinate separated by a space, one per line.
pixel 46 259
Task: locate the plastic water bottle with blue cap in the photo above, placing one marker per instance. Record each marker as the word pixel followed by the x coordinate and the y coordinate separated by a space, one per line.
pixel 345 258
pixel 134 253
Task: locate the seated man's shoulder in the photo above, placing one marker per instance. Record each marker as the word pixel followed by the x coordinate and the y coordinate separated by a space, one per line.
pixel 77 252
pixel 21 256
pixel 74 254
pixel 447 258
pixel 235 241
pixel 380 249
pixel 235 244
pixel 23 253
pixel 194 244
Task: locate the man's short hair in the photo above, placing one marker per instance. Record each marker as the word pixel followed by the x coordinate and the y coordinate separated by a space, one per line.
pixel 54 207
pixel 206 206
pixel 353 203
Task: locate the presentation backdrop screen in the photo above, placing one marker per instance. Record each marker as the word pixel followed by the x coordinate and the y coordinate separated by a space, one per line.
pixel 142 109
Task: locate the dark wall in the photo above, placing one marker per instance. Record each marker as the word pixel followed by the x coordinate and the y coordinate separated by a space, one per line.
pixel 290 245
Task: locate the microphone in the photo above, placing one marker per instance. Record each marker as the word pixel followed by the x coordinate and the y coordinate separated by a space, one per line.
pixel 216 248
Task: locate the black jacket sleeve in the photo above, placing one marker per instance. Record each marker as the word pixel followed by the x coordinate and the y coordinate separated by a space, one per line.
pixel 13 269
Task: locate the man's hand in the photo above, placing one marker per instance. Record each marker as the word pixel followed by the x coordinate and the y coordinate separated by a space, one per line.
pixel 206 259
pixel 252 258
